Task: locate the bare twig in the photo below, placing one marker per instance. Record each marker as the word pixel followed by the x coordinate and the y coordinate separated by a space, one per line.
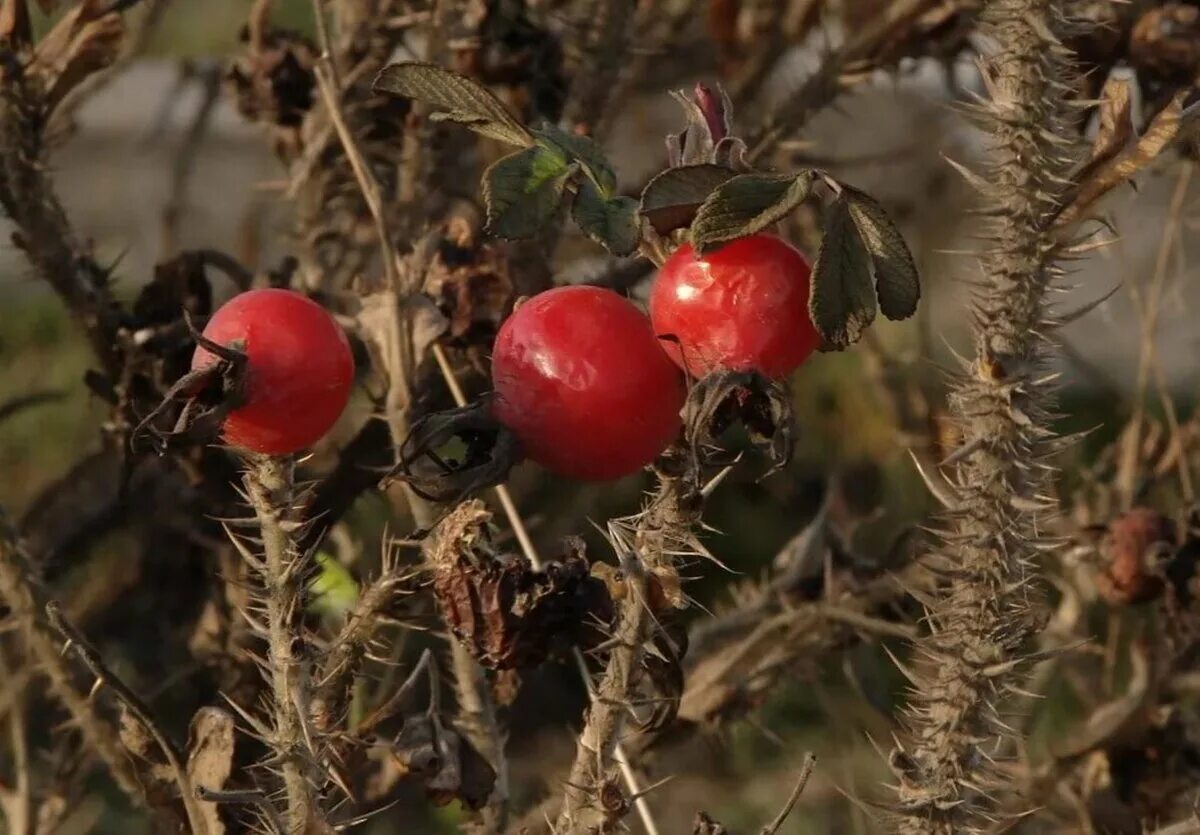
pixel 605 32
pixel 43 230
pixel 209 78
pixel 170 751
pixel 806 770
pixel 825 84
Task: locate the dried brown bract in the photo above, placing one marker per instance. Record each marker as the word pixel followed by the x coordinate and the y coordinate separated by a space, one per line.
pixel 444 762
pixel 207 396
pixel 507 614
pixel 746 398
pixel 488 450
pixel 470 283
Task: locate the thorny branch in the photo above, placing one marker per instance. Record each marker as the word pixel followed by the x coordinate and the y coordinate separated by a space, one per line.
pixel 980 623
pixel 285 574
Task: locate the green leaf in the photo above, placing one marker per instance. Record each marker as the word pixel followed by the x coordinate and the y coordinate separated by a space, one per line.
pixel 896 280
pixel 610 222
pixel 746 204
pixel 842 302
pixel 334 590
pixel 523 191
pixel 454 98
pixel 670 200
pixel 582 149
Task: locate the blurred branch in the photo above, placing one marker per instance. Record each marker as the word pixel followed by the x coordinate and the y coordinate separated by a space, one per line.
pixel 604 34
pixel 184 162
pixel 141 712
pixel 27 603
pixel 826 82
pixel 17 803
pixel 44 233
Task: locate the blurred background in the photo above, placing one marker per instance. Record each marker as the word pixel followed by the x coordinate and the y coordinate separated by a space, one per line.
pixel 159 163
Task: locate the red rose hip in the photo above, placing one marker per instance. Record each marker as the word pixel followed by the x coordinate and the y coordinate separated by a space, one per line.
pixel 583 383
pixel 299 369
pixel 743 307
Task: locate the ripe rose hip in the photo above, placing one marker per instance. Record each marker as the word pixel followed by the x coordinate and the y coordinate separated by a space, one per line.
pixel 583 383
pixel 743 307
pixel 299 369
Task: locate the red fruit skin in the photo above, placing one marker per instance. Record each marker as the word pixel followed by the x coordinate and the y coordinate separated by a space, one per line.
pixel 743 307
pixel 581 380
pixel 300 369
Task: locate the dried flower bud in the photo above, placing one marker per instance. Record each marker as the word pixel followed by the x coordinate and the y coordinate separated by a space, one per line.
pixel 1129 545
pixel 507 614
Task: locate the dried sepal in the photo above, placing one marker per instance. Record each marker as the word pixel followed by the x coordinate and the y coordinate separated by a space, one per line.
pixel 444 762
pixel 506 613
pixel 488 451
pixel 207 395
pixel 721 399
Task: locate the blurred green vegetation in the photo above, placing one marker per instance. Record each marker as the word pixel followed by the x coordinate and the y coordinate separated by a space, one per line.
pixel 200 29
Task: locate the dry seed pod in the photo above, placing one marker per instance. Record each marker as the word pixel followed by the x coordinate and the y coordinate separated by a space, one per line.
pixel 507 614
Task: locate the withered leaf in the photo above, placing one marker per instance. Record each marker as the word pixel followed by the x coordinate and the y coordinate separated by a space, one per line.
pixel 523 191
pixel 896 281
pixel 1115 125
pixel 1163 130
pixel 670 200
pixel 704 825
pixel 842 303
pixel 378 318
pixel 613 222
pixel 746 204
pixel 210 758
pixel 454 98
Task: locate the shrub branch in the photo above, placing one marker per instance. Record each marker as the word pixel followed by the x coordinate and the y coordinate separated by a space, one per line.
pixel 987 608
pixel 284 573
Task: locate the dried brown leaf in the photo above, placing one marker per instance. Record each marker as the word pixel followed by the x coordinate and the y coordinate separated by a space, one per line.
pixel 1158 137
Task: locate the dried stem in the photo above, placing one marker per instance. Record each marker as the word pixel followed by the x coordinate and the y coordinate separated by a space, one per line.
pixel 609 706
pixel 17 804
pixel 806 771
pixel 43 231
pixel 343 659
pixel 825 84
pixel 984 615
pixel 284 571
